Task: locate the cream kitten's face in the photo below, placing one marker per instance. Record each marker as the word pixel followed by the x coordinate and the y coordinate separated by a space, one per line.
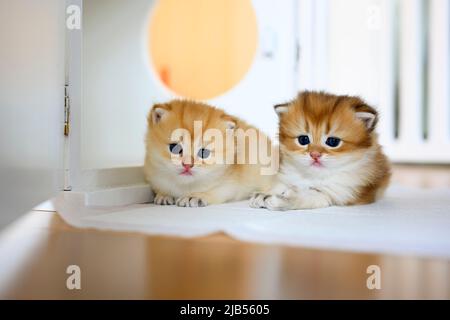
pixel 322 132
pixel 177 148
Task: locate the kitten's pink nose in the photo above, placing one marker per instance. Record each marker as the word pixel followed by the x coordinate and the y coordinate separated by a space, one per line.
pixel 187 163
pixel 315 155
pixel 187 166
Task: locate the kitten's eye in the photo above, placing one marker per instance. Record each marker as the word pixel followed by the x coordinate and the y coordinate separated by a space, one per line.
pixel 203 153
pixel 175 148
pixel 303 140
pixel 333 142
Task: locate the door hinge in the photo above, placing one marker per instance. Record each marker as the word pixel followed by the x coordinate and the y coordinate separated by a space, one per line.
pixel 66 110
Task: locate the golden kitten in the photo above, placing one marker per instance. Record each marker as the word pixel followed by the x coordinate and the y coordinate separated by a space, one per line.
pixel 329 154
pixel 187 166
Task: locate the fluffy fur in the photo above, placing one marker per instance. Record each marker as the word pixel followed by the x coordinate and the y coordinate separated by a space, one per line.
pixel 205 183
pixel 316 175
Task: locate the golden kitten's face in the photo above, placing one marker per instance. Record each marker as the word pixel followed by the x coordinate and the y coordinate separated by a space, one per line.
pixel 322 131
pixel 179 140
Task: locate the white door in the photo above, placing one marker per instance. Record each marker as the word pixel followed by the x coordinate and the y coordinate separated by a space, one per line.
pixel 113 83
pixel 31 104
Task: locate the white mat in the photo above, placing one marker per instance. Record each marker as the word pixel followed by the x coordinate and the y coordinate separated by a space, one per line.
pixel 406 221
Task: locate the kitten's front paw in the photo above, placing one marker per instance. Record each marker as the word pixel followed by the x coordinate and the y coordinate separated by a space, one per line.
pixel 258 199
pixel 277 203
pixel 163 200
pixel 271 202
pixel 191 202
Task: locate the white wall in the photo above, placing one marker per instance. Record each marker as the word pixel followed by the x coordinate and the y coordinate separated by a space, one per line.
pixel 354 48
pixel 117 86
pixel 31 103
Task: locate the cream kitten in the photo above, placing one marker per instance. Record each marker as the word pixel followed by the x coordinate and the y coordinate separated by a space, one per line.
pixel 186 169
pixel 329 154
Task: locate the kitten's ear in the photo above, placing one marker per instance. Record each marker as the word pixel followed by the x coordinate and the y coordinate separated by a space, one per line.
pixel 158 112
pixel 368 115
pixel 281 108
pixel 230 122
pixel 231 125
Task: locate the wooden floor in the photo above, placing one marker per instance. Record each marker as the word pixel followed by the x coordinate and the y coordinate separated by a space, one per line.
pixel 37 249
